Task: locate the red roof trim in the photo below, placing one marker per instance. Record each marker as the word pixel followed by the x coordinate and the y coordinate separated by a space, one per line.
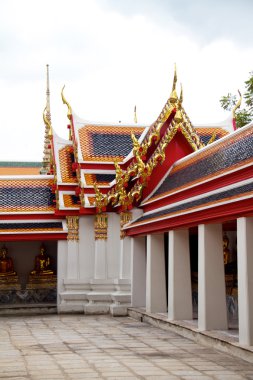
pixel 216 214
pixel 199 189
pixel 29 237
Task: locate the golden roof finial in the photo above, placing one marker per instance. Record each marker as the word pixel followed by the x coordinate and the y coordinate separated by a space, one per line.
pixel 135 115
pixel 47 122
pixel 175 78
pixel 238 104
pixel 173 96
pixel 181 95
pixel 179 117
pixel 67 104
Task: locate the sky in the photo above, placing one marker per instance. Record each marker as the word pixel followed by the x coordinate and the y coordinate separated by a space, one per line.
pixel 112 55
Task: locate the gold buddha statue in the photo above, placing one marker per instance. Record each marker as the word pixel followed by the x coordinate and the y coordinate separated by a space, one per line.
pixel 6 264
pixel 226 251
pixel 42 264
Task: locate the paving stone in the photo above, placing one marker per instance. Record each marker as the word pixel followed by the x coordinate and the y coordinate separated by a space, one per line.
pixel 85 347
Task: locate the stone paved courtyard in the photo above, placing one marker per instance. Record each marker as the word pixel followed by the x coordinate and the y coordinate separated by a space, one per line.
pixel 86 347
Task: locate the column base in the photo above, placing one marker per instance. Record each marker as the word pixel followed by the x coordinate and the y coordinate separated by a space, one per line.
pixel 95 297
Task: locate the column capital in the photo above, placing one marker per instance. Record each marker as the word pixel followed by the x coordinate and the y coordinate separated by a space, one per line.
pixel 73 227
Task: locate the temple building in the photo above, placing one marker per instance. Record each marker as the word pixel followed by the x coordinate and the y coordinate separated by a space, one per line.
pixel 148 216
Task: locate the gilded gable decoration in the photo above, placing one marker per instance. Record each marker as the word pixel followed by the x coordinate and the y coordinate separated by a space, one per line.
pixel 100 200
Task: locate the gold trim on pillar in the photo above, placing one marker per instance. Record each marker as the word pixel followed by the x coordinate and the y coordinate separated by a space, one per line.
pixel 73 227
pixel 125 217
pixel 101 225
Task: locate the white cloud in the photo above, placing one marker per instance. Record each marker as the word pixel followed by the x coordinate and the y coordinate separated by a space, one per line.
pixel 109 60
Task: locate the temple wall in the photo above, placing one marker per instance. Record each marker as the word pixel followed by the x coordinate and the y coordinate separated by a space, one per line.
pixel 89 271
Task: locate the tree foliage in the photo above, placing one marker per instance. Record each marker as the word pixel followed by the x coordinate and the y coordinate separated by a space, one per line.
pixel 242 115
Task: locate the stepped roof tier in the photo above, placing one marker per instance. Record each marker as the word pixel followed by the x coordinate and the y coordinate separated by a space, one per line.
pixel 27 207
pixel 108 166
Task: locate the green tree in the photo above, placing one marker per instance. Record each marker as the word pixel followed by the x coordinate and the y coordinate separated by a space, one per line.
pixel 242 115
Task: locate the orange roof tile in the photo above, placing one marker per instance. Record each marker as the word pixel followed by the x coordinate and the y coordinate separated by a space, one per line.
pixel 66 165
pixel 106 143
pixel 207 133
pixel 19 171
pixel 70 201
pixel 100 179
pixel 26 195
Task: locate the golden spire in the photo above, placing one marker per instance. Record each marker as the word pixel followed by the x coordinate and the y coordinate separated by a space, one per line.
pixel 238 104
pixel 67 104
pixel 48 130
pixel 135 115
pixel 48 112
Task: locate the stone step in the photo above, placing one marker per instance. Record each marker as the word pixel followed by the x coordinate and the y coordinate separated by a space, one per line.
pixel 29 309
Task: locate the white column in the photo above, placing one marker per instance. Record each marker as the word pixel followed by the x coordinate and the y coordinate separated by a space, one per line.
pixel 212 311
pixel 73 248
pixel 100 259
pixel 86 247
pixel 113 246
pixel 179 284
pixel 138 271
pixel 125 258
pixel 245 279
pixel 156 281
pixel 73 260
pixel 62 254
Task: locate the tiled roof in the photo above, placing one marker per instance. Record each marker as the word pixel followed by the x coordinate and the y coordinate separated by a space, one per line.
pixel 19 171
pixel 92 200
pixel 206 134
pixel 19 168
pixel 227 155
pixel 100 179
pixel 65 158
pixel 20 164
pixel 212 200
pixel 31 227
pixel 26 195
pixel 72 201
pixel 106 143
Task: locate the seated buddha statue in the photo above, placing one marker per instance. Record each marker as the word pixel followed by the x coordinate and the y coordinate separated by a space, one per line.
pixel 42 264
pixel 226 251
pixel 6 263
